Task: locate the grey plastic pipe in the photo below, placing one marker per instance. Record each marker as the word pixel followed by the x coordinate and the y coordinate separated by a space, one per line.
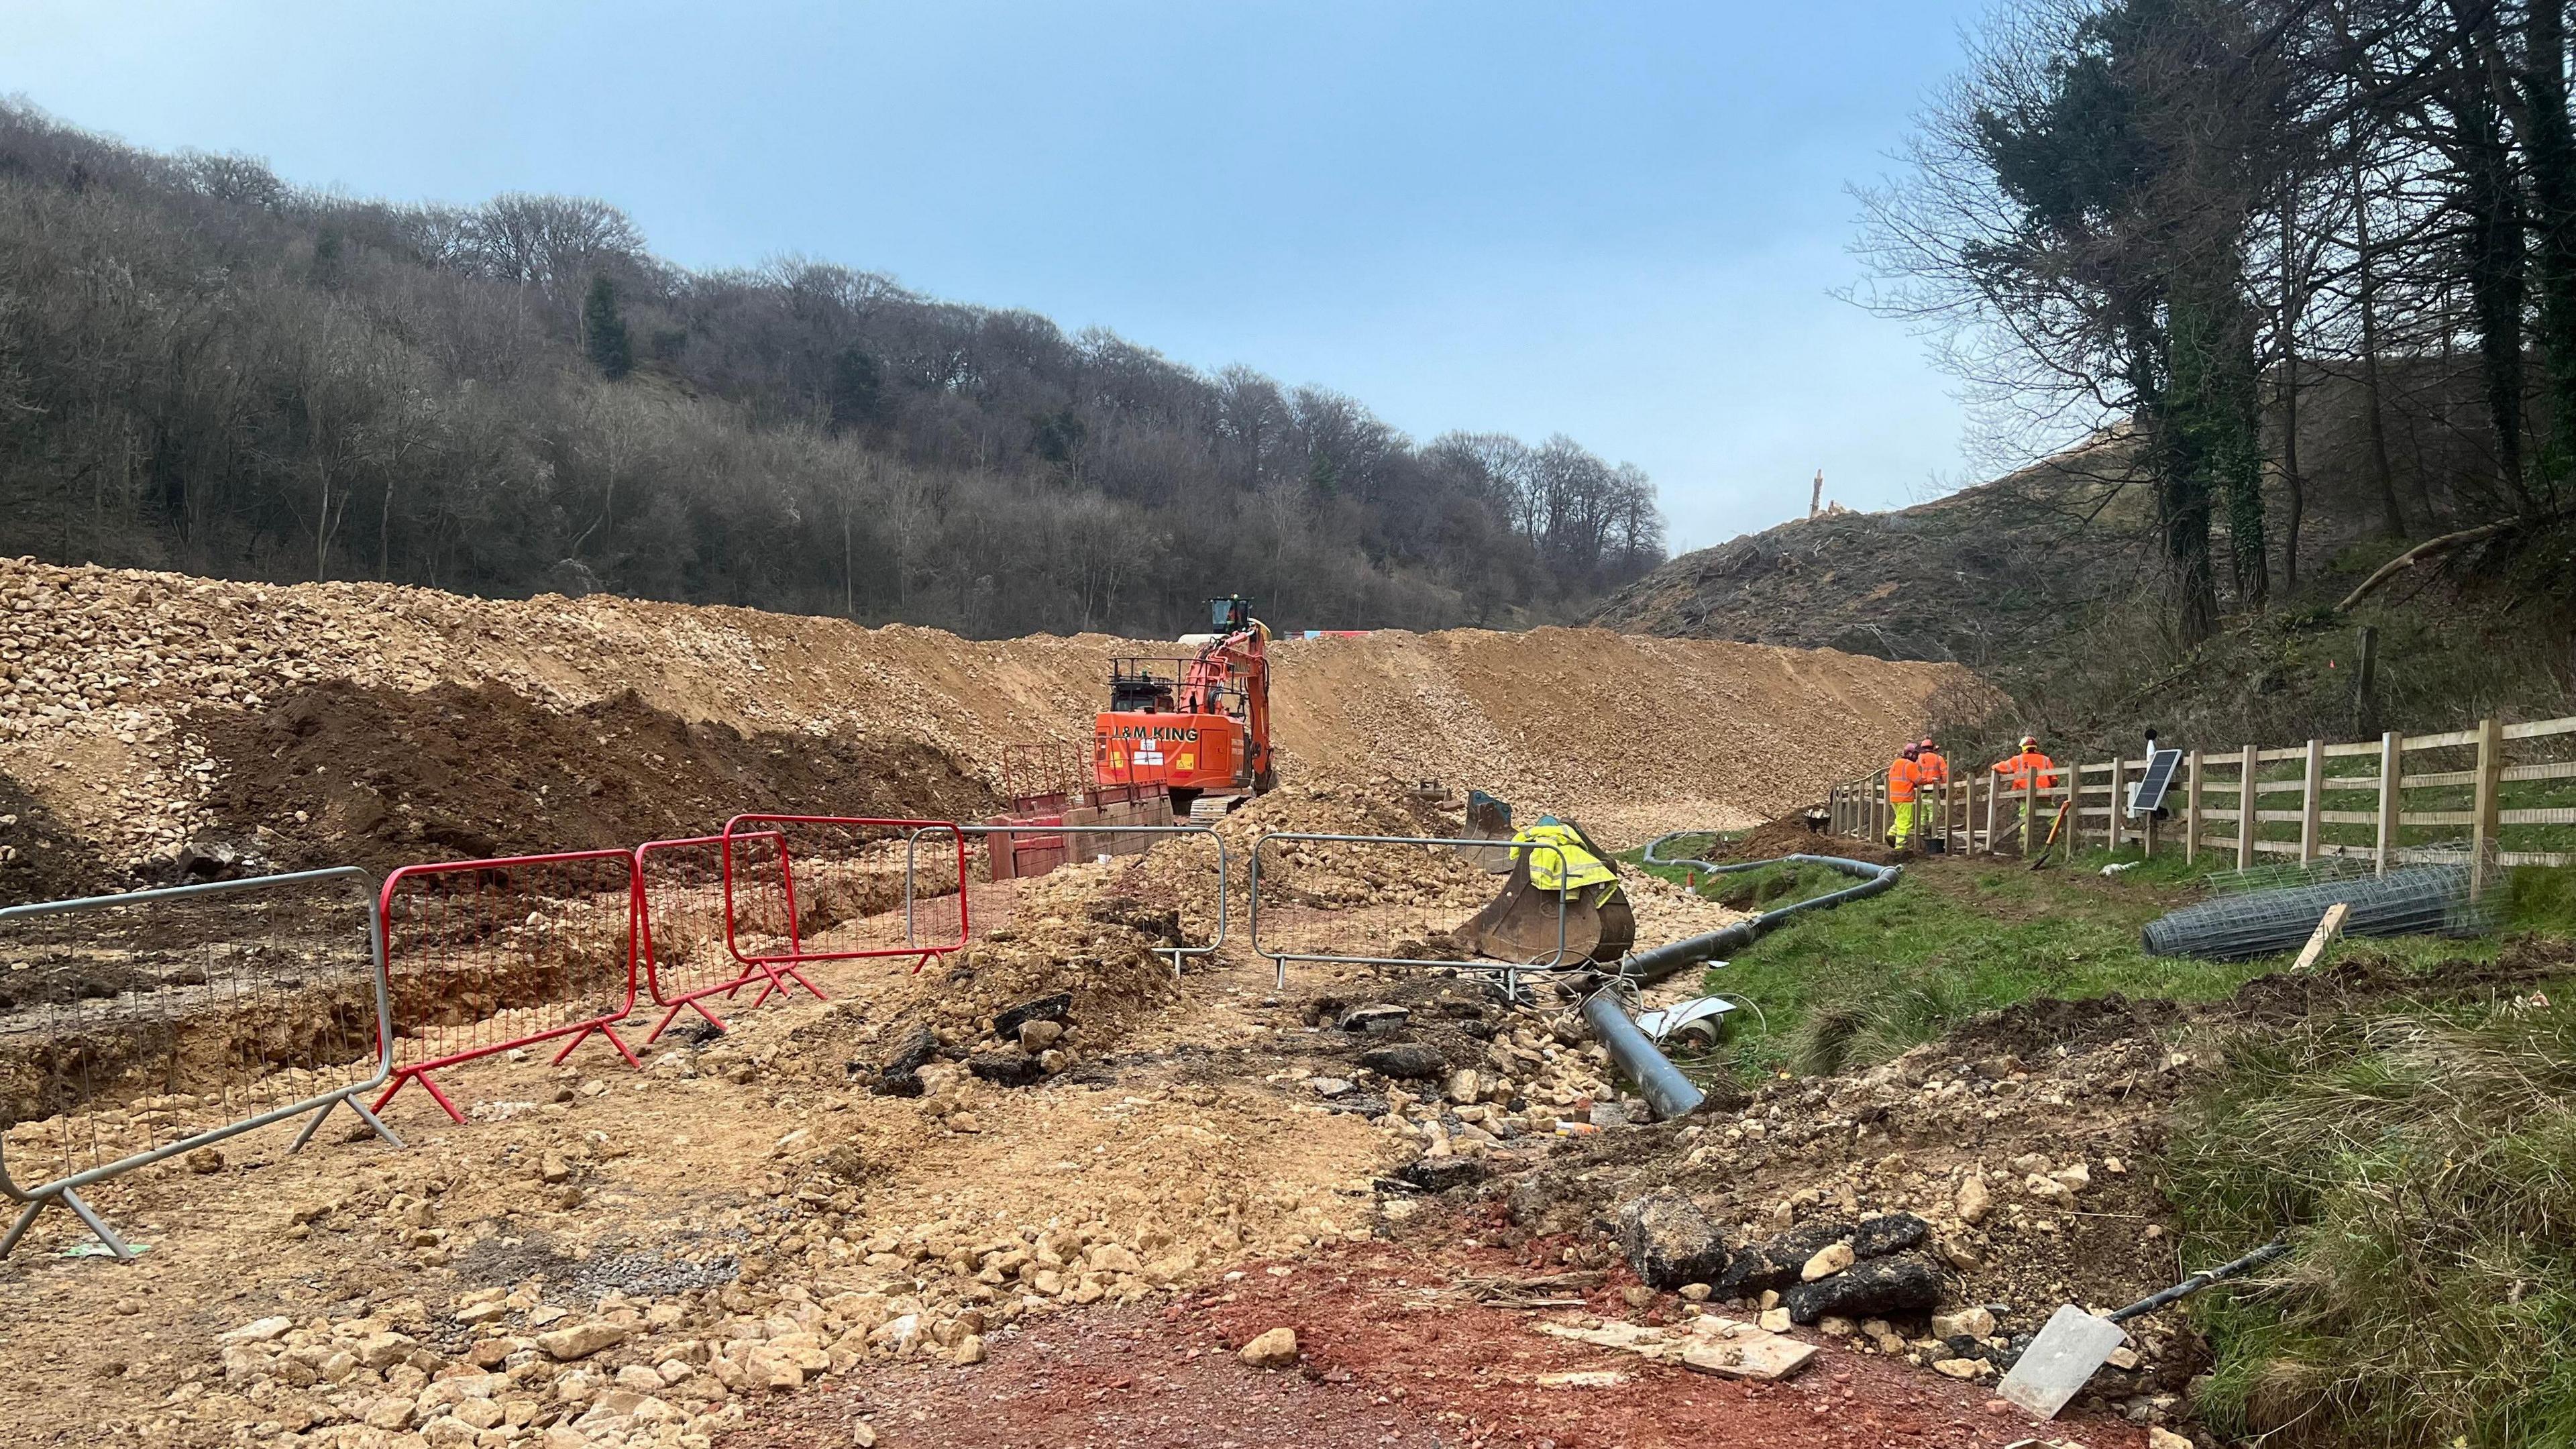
pixel 1662 1083
pixel 1663 961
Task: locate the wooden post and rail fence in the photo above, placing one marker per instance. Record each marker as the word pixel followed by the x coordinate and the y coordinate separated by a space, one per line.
pixel 2495 795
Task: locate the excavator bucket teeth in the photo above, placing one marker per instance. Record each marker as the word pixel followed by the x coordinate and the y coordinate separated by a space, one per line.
pixel 1520 924
pixel 1490 819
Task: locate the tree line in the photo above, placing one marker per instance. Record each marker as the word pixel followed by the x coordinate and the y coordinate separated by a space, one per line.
pixel 204 367
pixel 2177 222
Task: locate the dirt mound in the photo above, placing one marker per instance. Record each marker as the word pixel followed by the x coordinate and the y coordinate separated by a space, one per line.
pixel 1634 735
pixel 337 773
pixel 100 671
pixel 39 859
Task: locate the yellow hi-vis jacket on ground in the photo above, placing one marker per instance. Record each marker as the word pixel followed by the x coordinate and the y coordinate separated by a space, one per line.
pixel 1575 869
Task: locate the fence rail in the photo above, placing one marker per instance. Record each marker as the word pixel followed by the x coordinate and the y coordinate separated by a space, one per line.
pixel 680 922
pixel 485 956
pixel 141 1026
pixel 836 867
pixel 1001 838
pixel 2486 796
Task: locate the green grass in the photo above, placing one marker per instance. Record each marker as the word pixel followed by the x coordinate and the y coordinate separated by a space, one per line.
pixel 1856 985
pixel 2424 1158
pixel 1861 983
pixel 2423 1154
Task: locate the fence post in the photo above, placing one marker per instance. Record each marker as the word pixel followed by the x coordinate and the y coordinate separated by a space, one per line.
pixel 2482 832
pixel 1994 787
pixel 2245 807
pixel 2029 810
pixel 2391 761
pixel 2191 808
pixel 2113 822
pixel 2311 800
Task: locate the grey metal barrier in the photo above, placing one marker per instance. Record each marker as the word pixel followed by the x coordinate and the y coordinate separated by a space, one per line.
pixel 142 1026
pixel 1509 971
pixel 1224 871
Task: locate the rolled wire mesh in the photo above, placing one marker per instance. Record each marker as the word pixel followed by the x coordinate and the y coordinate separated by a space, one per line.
pixel 2420 900
pixel 126 1028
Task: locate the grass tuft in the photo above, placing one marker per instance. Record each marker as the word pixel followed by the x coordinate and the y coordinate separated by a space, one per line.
pixel 2427 1159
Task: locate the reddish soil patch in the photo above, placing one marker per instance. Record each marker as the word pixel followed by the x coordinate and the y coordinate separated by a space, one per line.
pixel 1389 1363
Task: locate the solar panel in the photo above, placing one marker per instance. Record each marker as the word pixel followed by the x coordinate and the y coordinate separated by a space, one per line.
pixel 2148 795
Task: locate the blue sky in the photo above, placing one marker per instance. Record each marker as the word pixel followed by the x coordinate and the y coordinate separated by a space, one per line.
pixel 1621 221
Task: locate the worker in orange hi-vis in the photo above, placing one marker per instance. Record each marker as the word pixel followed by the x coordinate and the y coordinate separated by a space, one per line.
pixel 1931 774
pixel 1903 775
pixel 2024 771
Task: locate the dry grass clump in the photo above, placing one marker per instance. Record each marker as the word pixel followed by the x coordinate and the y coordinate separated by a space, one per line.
pixel 2426 1161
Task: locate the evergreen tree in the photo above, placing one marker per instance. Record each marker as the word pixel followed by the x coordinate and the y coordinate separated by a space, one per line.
pixel 604 331
pixel 857 397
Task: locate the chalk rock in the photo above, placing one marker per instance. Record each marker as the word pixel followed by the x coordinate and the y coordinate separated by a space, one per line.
pixel 582 1339
pixel 1275 1349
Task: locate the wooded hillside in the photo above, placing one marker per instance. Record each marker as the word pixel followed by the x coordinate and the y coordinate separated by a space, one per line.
pixel 203 367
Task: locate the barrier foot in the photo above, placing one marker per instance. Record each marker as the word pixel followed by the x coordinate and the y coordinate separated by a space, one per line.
pixel 810 988
pixel 610 1032
pixel 440 1098
pixel 405 1079
pixel 313 1123
pixel 98 1225
pixel 578 1038
pixel 18 1229
pixel 374 1121
pixel 673 1015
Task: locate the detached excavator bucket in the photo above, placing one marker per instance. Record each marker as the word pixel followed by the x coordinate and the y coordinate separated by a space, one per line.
pixel 1520 925
pixel 1489 819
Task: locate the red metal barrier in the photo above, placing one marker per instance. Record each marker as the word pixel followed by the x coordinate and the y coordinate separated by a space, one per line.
pixel 487 955
pixel 681 922
pixel 842 869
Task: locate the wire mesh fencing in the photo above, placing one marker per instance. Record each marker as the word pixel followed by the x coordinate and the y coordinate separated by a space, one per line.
pixel 2419 900
pixel 486 956
pixel 680 922
pixel 137 1027
pixel 852 888
pixel 2282 875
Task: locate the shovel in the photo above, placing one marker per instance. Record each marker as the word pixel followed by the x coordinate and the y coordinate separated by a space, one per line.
pixel 2055 826
pixel 2061 1360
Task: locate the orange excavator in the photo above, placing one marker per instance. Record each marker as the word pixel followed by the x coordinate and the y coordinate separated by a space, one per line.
pixel 1198 725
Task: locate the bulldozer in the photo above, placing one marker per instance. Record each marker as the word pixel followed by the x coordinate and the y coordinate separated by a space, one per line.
pixel 1520 925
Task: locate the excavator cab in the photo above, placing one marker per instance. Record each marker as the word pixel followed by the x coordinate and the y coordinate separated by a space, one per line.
pixel 1135 688
pixel 1229 615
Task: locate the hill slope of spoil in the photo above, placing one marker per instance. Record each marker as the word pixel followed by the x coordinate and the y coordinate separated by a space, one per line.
pixel 1987 572
pixel 141 711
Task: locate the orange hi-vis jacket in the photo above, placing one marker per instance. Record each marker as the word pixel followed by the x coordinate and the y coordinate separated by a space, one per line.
pixel 1931 768
pixel 1902 776
pixel 2021 769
